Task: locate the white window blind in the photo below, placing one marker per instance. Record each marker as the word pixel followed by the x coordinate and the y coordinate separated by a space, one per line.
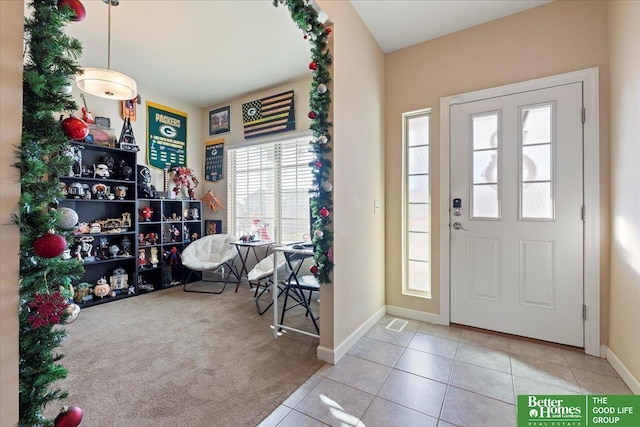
pixel 268 191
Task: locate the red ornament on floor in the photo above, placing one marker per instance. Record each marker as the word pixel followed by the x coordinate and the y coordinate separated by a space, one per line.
pixel 69 416
pixel 49 245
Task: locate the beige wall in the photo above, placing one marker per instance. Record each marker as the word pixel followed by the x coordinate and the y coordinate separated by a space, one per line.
pixel 11 23
pixel 235 137
pixel 358 102
pixel 624 39
pixel 558 37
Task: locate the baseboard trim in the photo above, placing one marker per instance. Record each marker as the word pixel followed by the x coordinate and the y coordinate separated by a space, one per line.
pixel 626 375
pixel 334 355
pixel 408 313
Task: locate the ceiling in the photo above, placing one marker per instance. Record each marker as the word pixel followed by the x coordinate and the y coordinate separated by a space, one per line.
pixel 205 52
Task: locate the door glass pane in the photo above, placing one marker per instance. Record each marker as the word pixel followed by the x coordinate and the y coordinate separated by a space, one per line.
pixel 419 217
pixel 419 246
pixel 485 131
pixel 419 189
pixel 485 167
pixel 536 163
pixel 418 160
pixel 536 125
pixel 419 276
pixel 536 200
pixel 485 201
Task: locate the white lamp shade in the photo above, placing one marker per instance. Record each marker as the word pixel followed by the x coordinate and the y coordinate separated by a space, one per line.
pixel 107 84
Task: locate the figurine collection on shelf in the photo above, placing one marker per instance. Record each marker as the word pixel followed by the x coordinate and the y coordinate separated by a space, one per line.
pixel 86 249
pixel 116 284
pixel 106 226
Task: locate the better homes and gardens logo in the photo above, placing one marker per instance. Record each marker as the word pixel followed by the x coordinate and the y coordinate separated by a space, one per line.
pixel 578 411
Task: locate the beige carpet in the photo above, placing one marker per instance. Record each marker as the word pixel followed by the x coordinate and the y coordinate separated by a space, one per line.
pixel 171 358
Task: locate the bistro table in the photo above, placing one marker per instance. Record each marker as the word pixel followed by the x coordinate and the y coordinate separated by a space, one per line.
pixel 245 248
pixel 290 252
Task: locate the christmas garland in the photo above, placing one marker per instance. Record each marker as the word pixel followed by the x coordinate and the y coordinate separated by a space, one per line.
pixel 45 279
pixel 306 18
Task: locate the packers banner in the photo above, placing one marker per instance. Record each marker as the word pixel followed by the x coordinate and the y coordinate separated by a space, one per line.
pixel 166 136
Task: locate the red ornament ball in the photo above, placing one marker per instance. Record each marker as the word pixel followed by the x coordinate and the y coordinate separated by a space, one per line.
pixel 324 212
pixel 49 245
pixel 328 30
pixel 318 164
pixel 75 128
pixel 312 115
pixel 76 6
pixel 313 269
pixel 69 416
pixel 313 65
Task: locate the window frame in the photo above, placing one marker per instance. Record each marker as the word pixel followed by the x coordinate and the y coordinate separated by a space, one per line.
pixel 274 146
pixel 406 202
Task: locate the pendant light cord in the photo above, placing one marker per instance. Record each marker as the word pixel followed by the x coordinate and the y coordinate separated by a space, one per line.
pixel 109 39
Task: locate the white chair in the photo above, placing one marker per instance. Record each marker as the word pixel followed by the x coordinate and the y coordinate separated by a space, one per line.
pixel 261 275
pixel 213 253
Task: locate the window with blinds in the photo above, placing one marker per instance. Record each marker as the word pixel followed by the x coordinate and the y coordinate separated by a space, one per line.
pixel 268 193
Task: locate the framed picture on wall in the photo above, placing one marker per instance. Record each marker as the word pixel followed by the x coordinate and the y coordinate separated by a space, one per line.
pixel 212 226
pixel 220 120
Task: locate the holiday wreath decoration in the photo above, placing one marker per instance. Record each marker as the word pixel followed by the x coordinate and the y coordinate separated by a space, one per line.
pixel 49 65
pixel 306 18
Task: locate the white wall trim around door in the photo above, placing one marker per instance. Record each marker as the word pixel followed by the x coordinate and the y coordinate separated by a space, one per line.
pixel 334 355
pixel 626 375
pixel 589 78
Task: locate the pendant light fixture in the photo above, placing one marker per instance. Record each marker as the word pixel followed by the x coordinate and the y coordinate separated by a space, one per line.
pixel 104 82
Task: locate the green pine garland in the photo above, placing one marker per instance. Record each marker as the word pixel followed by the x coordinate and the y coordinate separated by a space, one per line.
pixel 306 18
pixel 49 64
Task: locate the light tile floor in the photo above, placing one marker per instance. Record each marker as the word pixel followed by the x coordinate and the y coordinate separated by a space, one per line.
pixel 429 375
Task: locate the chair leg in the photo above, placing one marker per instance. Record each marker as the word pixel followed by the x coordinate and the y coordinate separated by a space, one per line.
pixel 184 288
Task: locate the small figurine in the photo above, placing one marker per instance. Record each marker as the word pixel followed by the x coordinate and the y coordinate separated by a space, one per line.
pixel 104 246
pixel 114 250
pixel 101 170
pixel 142 258
pixel 146 213
pixel 153 259
pixel 195 214
pixel 145 188
pixel 151 238
pixel 126 246
pixel 120 192
pixel 141 239
pixel 194 236
pixel 185 233
pixel 173 256
pixel 185 213
pixel 102 288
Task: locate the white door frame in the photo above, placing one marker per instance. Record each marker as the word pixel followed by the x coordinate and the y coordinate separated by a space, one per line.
pixel 589 77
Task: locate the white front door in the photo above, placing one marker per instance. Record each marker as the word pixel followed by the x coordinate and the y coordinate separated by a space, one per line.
pixel 517 239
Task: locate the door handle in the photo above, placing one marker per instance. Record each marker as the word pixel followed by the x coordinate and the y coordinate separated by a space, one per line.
pixel 458 226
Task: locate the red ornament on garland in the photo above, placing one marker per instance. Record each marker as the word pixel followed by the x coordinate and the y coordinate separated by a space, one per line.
pixel 313 269
pixel 324 212
pixel 69 416
pixel 49 245
pixel 76 6
pixel 313 65
pixel 75 128
pixel 318 164
pixel 328 30
pixel 312 115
